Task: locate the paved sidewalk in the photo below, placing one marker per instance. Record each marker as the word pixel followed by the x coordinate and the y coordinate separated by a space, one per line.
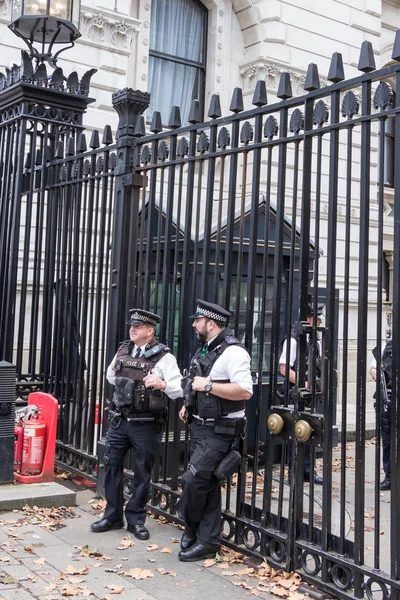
pixel 39 563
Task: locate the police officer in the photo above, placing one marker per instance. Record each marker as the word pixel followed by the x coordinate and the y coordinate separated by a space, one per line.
pixel 143 372
pixel 216 391
pixel 386 393
pixel 291 376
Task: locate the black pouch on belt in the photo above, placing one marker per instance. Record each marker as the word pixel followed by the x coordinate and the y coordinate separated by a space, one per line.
pixel 228 465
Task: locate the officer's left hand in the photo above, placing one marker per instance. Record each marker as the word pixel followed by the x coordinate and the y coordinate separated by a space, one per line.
pixel 199 383
pixel 153 381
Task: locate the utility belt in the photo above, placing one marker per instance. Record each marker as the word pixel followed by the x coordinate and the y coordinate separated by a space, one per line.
pixel 221 425
pixel 119 415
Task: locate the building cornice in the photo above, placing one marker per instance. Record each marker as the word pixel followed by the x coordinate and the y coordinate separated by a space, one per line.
pixel 270 71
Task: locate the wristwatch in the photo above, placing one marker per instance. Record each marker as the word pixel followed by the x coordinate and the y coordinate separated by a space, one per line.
pixel 208 387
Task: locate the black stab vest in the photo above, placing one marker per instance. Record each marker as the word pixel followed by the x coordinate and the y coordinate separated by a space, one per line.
pixel 130 396
pixel 208 406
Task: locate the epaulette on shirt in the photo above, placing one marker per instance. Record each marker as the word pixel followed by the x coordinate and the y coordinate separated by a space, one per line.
pixel 156 350
pixel 230 339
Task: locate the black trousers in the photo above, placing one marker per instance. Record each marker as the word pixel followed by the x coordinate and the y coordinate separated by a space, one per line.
pixel 200 503
pixel 144 438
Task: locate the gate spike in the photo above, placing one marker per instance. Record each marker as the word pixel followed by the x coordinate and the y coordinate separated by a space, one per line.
pixel 156 122
pixel 312 78
pixel 38 157
pixel 194 114
pixel 396 46
pixel 175 118
pixel 367 59
pixel 81 145
pixel 336 70
pixel 70 147
pixel 285 86
pixel 214 112
pixel 59 153
pixel 237 101
pixel 107 135
pixel 260 94
pixel 140 127
pixel 28 160
pixel 94 140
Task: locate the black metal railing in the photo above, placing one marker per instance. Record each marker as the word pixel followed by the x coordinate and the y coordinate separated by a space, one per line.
pixel 265 211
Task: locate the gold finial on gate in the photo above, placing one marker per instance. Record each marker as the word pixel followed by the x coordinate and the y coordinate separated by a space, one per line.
pixel 275 423
pixel 303 430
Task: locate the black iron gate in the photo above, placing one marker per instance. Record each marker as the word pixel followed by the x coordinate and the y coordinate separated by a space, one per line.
pixel 258 211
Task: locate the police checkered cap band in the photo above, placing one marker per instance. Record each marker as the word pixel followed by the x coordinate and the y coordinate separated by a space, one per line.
pixel 145 318
pixel 210 314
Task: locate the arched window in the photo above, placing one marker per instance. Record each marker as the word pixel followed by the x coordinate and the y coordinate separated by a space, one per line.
pixel 177 56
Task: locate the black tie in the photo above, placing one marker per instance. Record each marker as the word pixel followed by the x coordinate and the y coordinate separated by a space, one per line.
pixel 138 353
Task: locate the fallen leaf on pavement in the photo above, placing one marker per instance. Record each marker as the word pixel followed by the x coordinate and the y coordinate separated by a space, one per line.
pixel 69 591
pixel 175 540
pixel 5 559
pixel 86 551
pixel 7 579
pixel 139 573
pixel 177 585
pixel 125 543
pixel 164 572
pixel 166 551
pixel 209 562
pixel 39 561
pixel 28 548
pixel 152 547
pixel 76 571
pixel 115 589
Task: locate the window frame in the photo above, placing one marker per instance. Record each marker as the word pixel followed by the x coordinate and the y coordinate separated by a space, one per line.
pixel 202 66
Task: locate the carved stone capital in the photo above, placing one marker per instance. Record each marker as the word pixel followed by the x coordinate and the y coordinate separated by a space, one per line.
pixel 270 72
pixel 108 30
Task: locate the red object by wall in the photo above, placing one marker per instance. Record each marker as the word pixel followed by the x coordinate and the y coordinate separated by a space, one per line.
pixel 33 447
pixel 48 410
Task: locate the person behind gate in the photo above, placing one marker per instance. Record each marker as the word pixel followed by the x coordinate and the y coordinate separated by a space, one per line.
pixel 291 377
pixel 144 373
pixel 385 397
pixel 216 390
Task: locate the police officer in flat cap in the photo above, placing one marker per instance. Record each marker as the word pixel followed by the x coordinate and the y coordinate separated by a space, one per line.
pixel 216 391
pixel 290 344
pixel 144 373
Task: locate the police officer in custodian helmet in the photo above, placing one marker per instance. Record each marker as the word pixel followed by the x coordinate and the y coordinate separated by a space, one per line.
pixel 143 372
pixel 216 390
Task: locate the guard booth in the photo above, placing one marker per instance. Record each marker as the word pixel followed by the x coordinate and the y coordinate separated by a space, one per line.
pixel 168 289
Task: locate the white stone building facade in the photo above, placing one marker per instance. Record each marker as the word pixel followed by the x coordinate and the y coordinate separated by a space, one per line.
pixel 244 41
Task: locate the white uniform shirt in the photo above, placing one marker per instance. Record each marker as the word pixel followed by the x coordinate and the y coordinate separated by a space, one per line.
pixel 293 351
pixel 383 346
pixel 166 368
pixel 233 364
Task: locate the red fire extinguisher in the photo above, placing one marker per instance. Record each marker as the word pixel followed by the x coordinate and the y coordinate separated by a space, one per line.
pixel 18 445
pixel 33 446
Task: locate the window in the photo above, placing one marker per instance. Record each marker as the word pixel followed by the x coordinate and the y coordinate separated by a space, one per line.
pixel 177 56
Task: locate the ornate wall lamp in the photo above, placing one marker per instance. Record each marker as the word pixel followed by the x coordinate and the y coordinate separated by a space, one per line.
pixel 46 23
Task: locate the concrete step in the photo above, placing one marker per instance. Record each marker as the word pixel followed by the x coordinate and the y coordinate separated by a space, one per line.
pixel 43 495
